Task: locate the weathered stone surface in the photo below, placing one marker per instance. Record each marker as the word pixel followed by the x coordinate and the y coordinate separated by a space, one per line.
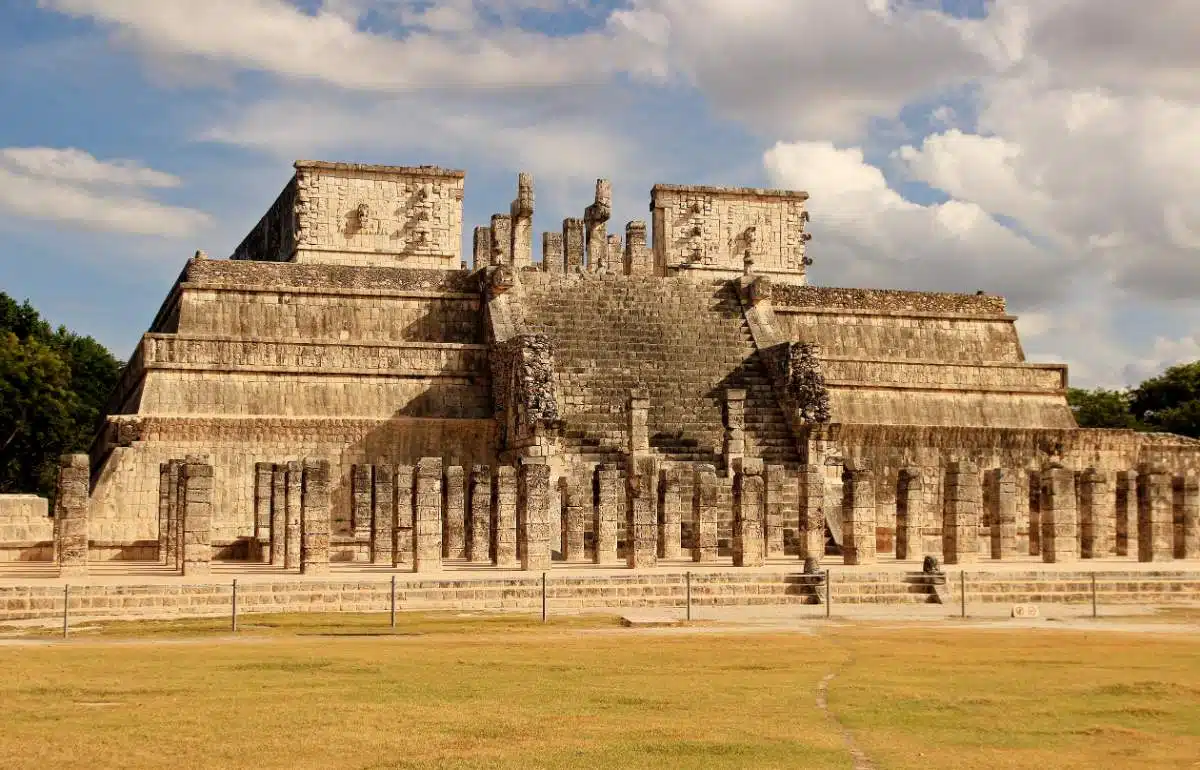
pixel 1060 517
pixel 361 486
pixel 704 514
pixel 504 516
pixel 315 518
pixel 1127 513
pixel 1001 495
pixel 963 501
pixel 748 548
pixel 454 513
pixel 812 512
pixel 279 491
pixel 427 516
pixel 261 543
pixel 479 530
pixel 576 497
pixel 608 487
pixel 673 492
pixel 71 511
pixel 533 511
pixel 1186 515
pixel 196 516
pixel 775 478
pixel 1156 525
pixel 858 516
pixel 1097 514
pixel 294 505
pixel 383 513
pixel 403 538
pixel 910 514
pixel 641 547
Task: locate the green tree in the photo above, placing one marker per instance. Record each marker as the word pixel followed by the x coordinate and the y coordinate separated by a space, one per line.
pixel 1171 401
pixel 1100 408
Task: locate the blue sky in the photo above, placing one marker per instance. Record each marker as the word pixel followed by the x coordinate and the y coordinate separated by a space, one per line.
pixel 1006 146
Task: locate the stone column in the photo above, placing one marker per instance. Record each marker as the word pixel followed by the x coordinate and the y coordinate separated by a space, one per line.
pixel 1186 507
pixel 197 517
pixel 552 252
pixel 295 498
pixel 608 483
pixel 858 516
pixel 748 497
pixel 533 506
pixel 960 513
pixel 383 514
pixel 596 218
pixel 735 428
pixel 402 533
pixel 613 261
pixel 361 488
pixel 174 554
pixel 71 514
pixel 455 513
pixel 482 254
pixel 164 508
pixel 1156 525
pixel 261 544
pixel 1035 513
pixel 1002 500
pixel 812 512
pixel 576 502
pixel 641 530
pixel 504 489
pixel 1097 514
pixel 278 514
pixel 1060 519
pixel 910 520
pixel 479 533
pixel 573 245
pixel 637 255
pixel 639 421
pixel 501 240
pixel 315 519
pixel 521 211
pixel 427 516
pixel 671 489
pixel 1127 513
pixel 704 514
pixel 775 482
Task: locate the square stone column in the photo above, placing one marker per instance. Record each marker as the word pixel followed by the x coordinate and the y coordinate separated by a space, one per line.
pixel 1035 513
pixel 639 421
pixel 1156 524
pixel 521 211
pixel 455 514
pixel 295 499
pixel 427 515
pixel 1186 510
pixel 812 512
pixel 174 534
pixel 504 516
pixel 1002 516
pixel 164 509
pixel 573 244
pixel 197 518
pixel 71 514
pixel 748 495
pixel 533 511
pixel 775 479
pixel 858 516
pixel 960 513
pixel 1127 514
pixel 552 252
pixel 479 533
pixel 362 483
pixel 501 240
pixel 638 258
pixel 260 548
pixel 482 246
pixel 910 514
pixel 383 514
pixel 1097 514
pixel 402 532
pixel 704 514
pixel 608 491
pixel 278 514
pixel 641 532
pixel 1060 518
pixel 735 428
pixel 576 505
pixel 671 503
pixel 315 519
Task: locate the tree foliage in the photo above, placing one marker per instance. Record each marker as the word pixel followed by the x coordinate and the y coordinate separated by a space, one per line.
pixel 53 388
pixel 1101 408
pixel 1171 401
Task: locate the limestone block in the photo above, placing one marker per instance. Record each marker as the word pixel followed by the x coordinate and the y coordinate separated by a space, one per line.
pixel 479 532
pixel 504 516
pixel 278 548
pixel 1127 514
pixel 910 515
pixel 533 506
pixel 197 518
pixel 639 436
pixel 608 486
pixel 260 547
pixel 1097 514
pixel 383 514
pixel 1035 513
pixel 641 548
pixel 482 251
pixel 749 494
pixel 858 516
pixel 639 260
pixel 672 492
pixel 1002 513
pixel 573 245
pixel 361 486
pixel 454 511
pixel 521 211
pixel 1186 515
pixel 315 518
pixel 292 528
pixel 402 537
pixel 552 252
pixel 776 478
pixel 576 498
pixel 1060 517
pixel 812 512
pixel 427 516
pixel 1156 525
pixel 501 239
pixel 71 511
pixel 164 507
pixel 962 504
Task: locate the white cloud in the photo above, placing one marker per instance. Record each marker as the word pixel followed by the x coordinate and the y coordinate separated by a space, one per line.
pixel 72 187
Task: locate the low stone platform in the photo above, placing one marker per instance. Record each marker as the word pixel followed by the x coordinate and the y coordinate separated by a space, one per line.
pixel 124 590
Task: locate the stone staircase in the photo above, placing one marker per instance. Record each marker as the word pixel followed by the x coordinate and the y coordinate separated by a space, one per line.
pixel 684 341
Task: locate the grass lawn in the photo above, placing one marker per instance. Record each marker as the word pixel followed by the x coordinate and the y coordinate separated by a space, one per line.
pixel 508 692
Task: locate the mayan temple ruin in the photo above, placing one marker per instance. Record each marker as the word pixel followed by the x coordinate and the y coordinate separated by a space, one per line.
pixel 348 387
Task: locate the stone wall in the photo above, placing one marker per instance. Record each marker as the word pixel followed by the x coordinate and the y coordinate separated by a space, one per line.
pixel 26 529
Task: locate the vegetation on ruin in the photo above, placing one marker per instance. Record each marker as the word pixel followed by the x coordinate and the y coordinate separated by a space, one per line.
pixel 452 691
pixel 53 388
pixel 1169 402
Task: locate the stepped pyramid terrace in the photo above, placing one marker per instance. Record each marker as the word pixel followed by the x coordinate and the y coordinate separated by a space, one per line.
pixel 349 388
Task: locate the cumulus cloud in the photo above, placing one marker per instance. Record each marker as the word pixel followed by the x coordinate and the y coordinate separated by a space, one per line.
pixel 72 187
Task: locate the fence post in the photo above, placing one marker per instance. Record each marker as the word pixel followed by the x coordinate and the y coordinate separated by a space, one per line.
pixel 392 618
pixel 828 594
pixel 543 597
pixel 1094 613
pixel 66 601
pixel 962 591
pixel 233 617
pixel 688 585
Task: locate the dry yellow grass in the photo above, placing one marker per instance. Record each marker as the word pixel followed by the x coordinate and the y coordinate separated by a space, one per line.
pixel 508 692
